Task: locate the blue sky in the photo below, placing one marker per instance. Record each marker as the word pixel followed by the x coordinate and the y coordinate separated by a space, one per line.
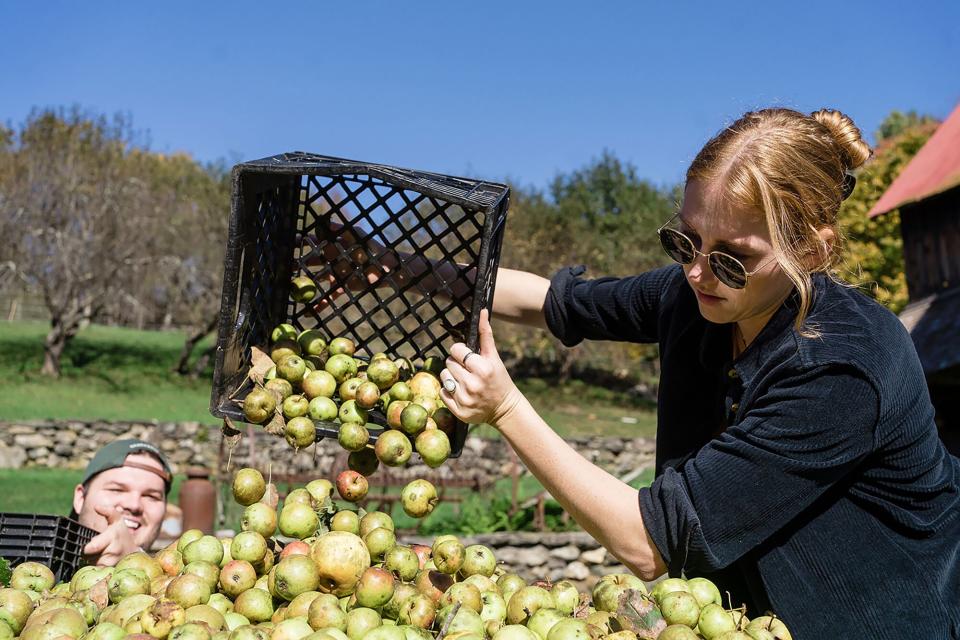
pixel 495 90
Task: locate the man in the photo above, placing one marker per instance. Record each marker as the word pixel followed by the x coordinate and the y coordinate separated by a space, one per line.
pixel 123 495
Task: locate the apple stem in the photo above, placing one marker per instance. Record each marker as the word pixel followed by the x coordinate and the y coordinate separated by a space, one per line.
pixel 446 623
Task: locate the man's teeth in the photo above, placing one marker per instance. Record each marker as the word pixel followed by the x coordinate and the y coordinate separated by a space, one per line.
pixel 132 524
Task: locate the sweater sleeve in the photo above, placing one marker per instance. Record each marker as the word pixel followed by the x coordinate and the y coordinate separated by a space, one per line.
pixel 790 448
pixel 622 309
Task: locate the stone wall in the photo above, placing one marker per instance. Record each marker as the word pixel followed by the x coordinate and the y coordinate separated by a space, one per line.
pixel 573 555
pixel 71 444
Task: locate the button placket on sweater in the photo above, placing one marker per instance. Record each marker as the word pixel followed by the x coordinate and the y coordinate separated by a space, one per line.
pixel 732 395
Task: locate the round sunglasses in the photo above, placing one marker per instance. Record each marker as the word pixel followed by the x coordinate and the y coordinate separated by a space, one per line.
pixel 728 269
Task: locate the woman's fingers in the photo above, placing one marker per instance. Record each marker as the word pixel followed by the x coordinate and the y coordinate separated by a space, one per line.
pixel 488 347
pixel 458 353
pixel 460 376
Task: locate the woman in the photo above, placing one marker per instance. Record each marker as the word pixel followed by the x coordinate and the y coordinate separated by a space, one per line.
pixel 797 464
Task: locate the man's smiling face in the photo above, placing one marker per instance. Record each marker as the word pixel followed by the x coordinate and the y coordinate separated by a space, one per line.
pixel 139 493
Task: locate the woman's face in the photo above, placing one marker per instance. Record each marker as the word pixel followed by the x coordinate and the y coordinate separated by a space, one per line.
pixel 714 225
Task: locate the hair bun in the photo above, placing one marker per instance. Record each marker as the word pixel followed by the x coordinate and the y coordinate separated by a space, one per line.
pixel 846 134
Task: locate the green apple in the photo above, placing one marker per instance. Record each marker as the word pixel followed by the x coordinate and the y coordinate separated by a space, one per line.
pixel 322 408
pixel 312 342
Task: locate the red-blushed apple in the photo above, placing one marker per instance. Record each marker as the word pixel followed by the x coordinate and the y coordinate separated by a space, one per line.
pixel 295 548
pixel 419 611
pixel 393 448
pixel 375 588
pixel 352 486
pixel 236 577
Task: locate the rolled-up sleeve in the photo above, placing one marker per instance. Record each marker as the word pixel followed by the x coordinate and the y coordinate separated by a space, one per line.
pixel 799 439
pixel 623 309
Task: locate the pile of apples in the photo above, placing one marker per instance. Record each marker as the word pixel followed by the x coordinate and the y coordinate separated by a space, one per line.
pixel 306 379
pixel 341 575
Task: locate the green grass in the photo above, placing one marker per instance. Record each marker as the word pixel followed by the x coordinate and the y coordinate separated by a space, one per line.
pixel 48 491
pixel 109 373
pixel 114 373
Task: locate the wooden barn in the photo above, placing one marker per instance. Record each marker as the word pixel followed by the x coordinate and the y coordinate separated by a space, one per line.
pixel 927 192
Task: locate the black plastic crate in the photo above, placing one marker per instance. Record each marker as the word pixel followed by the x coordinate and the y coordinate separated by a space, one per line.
pixel 56 541
pixel 290 210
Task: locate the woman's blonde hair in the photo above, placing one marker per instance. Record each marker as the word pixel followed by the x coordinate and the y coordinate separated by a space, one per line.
pixel 796 169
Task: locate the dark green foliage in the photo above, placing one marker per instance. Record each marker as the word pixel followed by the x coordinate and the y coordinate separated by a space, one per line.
pixel 4 572
pixel 873 254
pixel 604 216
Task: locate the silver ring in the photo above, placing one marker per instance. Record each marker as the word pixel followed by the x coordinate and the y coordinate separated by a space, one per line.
pixel 469 353
pixel 450 385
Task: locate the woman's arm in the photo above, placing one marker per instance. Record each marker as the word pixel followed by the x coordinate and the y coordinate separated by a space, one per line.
pixel 604 506
pixel 519 297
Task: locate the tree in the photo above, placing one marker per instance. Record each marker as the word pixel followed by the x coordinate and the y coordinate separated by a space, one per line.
pixel 873 256
pixel 8 268
pixel 604 216
pixel 81 220
pixel 199 201
pixel 613 214
pixel 898 122
pixel 108 231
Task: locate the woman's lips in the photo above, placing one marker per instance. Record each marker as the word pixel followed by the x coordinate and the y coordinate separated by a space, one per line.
pixel 706 298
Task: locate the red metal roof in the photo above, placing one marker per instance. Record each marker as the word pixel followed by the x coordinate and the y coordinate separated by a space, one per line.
pixel 935 169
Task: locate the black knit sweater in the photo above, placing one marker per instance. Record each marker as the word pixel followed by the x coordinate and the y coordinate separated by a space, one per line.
pixel 805 476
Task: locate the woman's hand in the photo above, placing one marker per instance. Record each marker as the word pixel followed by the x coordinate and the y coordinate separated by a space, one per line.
pixel 476 385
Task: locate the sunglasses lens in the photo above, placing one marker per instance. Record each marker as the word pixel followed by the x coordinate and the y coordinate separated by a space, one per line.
pixel 677 246
pixel 728 270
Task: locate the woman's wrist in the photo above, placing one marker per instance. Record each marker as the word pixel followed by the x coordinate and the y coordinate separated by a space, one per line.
pixel 510 410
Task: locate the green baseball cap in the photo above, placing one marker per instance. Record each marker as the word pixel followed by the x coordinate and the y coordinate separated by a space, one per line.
pixel 114 456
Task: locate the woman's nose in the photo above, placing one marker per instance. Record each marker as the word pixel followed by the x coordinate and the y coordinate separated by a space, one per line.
pixel 699 269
